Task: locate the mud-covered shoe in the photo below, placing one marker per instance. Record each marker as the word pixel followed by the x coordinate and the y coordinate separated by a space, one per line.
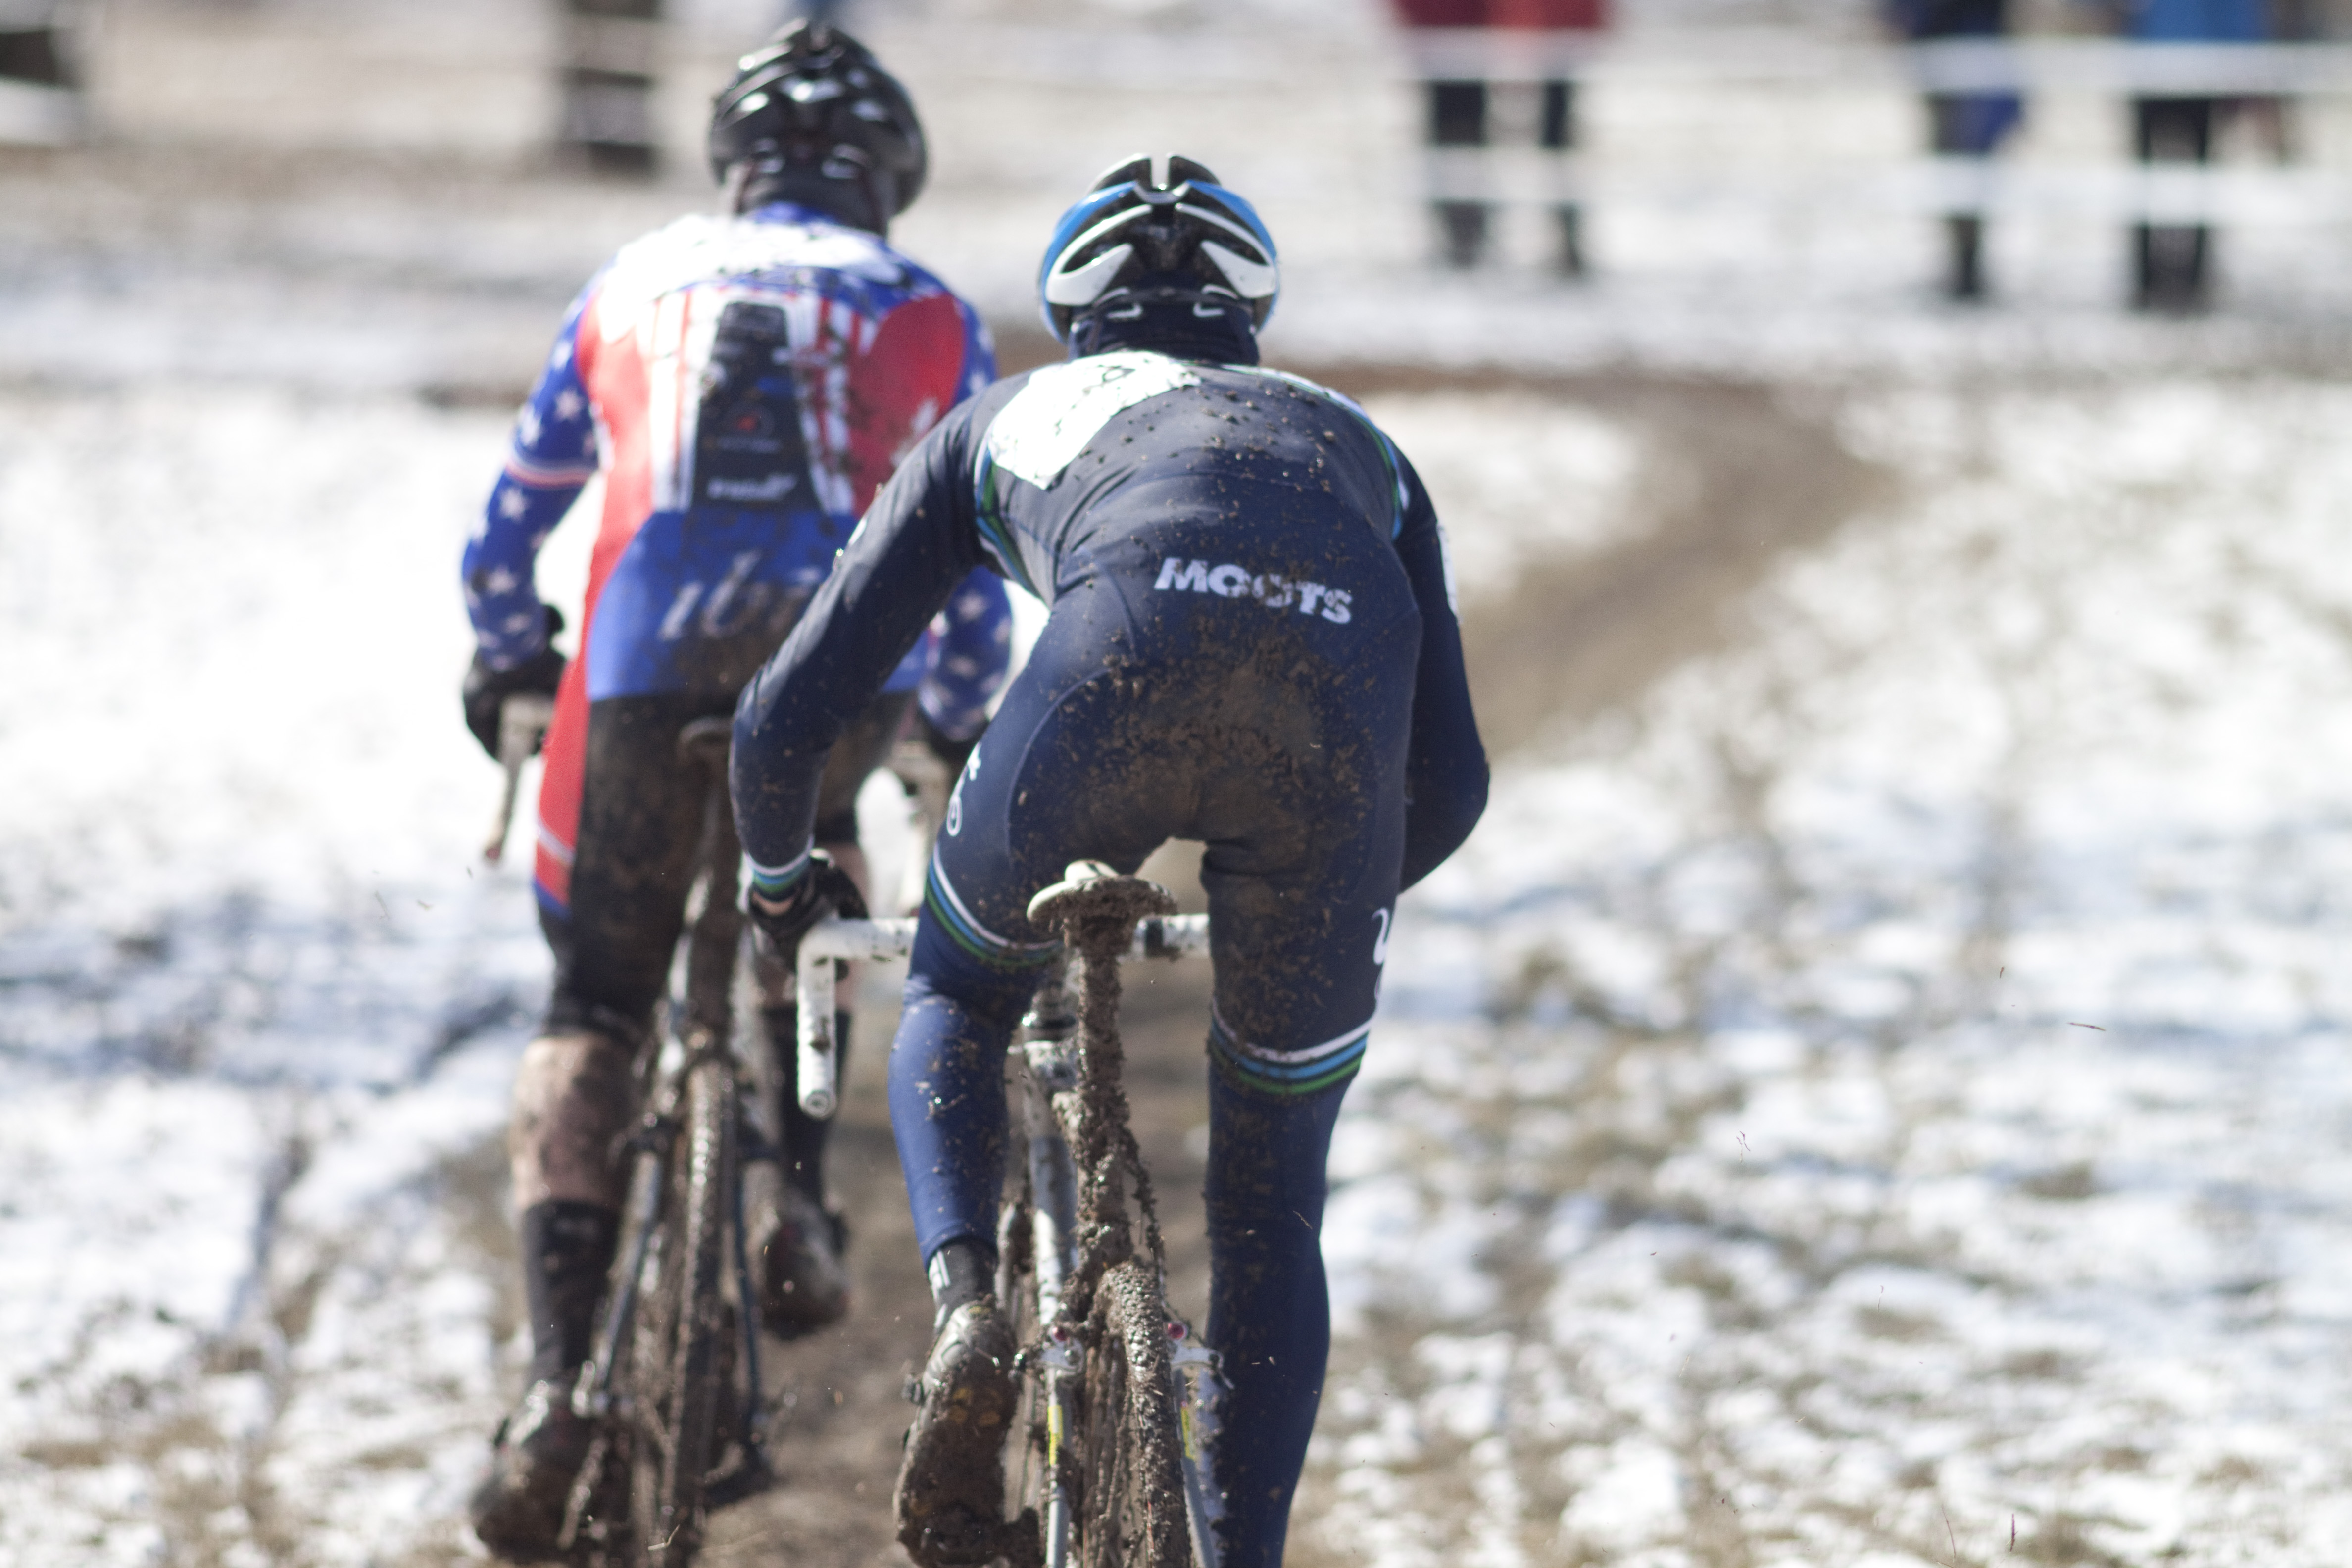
pixel 804 1285
pixel 517 1508
pixel 951 1500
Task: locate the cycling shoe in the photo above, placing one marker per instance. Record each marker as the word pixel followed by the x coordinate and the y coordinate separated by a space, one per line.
pixel 803 1284
pixel 517 1508
pixel 950 1498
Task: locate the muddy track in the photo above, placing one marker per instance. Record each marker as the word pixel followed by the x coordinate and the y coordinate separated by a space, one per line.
pixel 1736 477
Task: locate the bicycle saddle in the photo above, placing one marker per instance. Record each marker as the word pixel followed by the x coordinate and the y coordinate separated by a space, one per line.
pixel 1091 892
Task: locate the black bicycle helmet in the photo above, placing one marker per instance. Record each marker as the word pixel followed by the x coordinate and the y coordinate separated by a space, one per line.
pixel 811 110
pixel 1160 223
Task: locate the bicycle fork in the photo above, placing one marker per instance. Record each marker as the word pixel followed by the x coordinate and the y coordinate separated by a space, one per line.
pixel 1199 1413
pixel 1051 1054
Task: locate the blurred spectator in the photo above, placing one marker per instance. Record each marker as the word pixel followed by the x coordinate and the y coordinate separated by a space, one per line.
pixel 30 49
pixel 40 90
pixel 1961 124
pixel 1462 111
pixel 2172 263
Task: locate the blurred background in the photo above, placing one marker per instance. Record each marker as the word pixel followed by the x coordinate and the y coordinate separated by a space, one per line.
pixel 1871 1092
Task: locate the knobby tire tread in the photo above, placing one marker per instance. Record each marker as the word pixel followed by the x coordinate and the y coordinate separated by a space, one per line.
pixel 682 1351
pixel 1132 1511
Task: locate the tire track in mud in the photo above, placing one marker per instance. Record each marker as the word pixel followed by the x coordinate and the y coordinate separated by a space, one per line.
pixel 1735 476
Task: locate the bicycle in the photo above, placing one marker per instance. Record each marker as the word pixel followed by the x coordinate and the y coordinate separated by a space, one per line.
pixel 674 1377
pixel 673 1380
pixel 1120 1399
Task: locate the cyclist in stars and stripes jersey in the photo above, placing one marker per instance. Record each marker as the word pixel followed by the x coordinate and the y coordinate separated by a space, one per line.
pixel 742 382
pixel 1250 642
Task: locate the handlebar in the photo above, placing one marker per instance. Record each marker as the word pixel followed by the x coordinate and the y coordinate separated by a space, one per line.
pixel 523 719
pixel 834 942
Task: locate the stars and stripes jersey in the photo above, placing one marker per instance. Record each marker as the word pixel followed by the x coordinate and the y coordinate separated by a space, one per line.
pixel 743 386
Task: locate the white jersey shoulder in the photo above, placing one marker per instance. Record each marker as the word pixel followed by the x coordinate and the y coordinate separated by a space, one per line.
pixel 702 249
pixel 1049 421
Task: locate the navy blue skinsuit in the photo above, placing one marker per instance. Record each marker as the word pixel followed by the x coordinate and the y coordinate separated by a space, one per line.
pixel 1250 644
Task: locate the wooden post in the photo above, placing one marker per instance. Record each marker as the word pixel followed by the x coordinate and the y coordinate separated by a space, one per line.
pixel 610 48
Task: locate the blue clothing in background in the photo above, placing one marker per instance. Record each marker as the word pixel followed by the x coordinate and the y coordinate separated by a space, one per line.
pixel 1965 124
pixel 2199 21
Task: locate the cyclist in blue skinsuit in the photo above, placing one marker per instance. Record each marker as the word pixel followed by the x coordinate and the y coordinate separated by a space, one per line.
pixel 1250 644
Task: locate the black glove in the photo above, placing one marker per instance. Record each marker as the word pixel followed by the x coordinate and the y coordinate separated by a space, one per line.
pixel 952 754
pixel 485 688
pixel 827 889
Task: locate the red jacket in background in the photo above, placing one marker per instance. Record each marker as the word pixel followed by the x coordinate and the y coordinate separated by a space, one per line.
pixel 1539 15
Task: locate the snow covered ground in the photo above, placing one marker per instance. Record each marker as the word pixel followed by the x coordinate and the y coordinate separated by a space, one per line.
pixel 257 1012
pixel 1873 1096
pixel 1881 1097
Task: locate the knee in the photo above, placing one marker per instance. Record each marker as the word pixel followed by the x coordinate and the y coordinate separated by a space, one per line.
pixel 573 1096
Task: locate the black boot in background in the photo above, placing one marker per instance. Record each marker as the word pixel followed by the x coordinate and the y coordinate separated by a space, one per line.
pixel 517 1508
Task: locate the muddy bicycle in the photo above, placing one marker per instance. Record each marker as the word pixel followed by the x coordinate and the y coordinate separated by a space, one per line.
pixel 1120 1401
pixel 673 1382
pixel 673 1378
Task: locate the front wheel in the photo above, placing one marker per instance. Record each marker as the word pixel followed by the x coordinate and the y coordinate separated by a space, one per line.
pixel 680 1355
pixel 1131 1512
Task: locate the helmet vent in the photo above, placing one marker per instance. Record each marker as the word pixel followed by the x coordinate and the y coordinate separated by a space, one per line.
pixel 1161 224
pixel 815 98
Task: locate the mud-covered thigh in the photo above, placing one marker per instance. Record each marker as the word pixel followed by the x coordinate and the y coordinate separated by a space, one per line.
pixel 1104 751
pixel 640 825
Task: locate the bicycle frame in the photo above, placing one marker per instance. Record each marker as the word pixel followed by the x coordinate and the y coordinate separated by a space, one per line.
pixel 1051 1070
pixel 700 1032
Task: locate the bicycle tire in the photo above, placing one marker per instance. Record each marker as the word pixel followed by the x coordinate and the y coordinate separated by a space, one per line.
pixel 1131 1510
pixel 683 1332
pixel 1028 1481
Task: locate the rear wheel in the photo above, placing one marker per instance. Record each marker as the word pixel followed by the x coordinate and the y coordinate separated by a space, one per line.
pixel 680 1351
pixel 1131 1513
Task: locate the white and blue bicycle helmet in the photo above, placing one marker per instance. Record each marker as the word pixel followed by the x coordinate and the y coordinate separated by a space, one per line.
pixel 1160 223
